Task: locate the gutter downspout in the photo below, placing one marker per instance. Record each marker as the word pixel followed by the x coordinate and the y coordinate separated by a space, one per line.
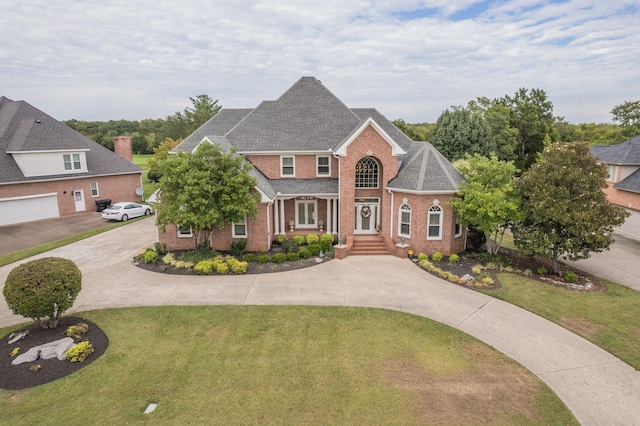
pixel 339 204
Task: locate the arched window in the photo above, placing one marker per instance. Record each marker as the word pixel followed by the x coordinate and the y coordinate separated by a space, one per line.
pixel 367 173
pixel 404 228
pixel 434 223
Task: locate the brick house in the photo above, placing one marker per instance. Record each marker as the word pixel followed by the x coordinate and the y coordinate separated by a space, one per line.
pixel 623 181
pixel 49 170
pixel 322 167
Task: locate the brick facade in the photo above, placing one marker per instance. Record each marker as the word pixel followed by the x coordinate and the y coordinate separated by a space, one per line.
pixel 116 188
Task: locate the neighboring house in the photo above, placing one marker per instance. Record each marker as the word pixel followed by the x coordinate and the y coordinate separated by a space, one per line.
pixel 323 167
pixel 49 170
pixel 623 180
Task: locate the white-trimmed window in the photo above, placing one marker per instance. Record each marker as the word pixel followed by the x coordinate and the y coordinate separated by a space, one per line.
pixel 287 166
pixel 458 231
pixel 434 223
pixel 306 213
pixel 239 229
pixel 71 161
pixel 184 231
pixel 404 225
pixel 367 173
pixel 323 165
pixel 612 170
pixel 94 189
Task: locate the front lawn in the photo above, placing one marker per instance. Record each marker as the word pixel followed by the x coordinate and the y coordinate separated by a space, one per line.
pixel 286 365
pixel 610 319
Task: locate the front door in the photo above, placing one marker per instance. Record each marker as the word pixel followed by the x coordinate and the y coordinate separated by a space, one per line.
pixel 367 217
pixel 78 197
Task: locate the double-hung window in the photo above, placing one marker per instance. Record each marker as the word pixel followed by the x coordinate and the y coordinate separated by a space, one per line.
pixel 71 161
pixel 287 166
pixel 240 229
pixel 94 189
pixel 612 173
pixel 323 165
pixel 434 223
pixel 405 221
pixel 184 231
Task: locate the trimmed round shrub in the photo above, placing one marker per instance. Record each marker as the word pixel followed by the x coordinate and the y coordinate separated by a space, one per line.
pixel 292 256
pixel 264 258
pixel 436 257
pixel 314 249
pixel 304 253
pixel 422 257
pixel 239 268
pixel 249 257
pixel 43 289
pixel 204 267
pixel 150 256
pixel 454 259
pixel 312 239
pixel 570 276
pixel 279 258
pixel 299 240
pixel 541 270
pixel 222 268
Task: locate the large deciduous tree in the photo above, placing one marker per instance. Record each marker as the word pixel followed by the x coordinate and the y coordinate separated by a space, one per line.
pixel 532 114
pixel 489 199
pixel 566 213
pixel 628 115
pixel 462 131
pixel 206 190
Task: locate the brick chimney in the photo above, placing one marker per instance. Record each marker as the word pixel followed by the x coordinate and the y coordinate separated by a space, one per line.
pixel 122 147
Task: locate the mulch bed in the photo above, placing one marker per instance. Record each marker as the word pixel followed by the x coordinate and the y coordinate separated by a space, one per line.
pixel 14 377
pixel 586 282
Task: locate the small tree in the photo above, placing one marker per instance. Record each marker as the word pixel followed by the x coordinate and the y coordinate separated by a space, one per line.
pixel 566 213
pixel 43 289
pixel 206 190
pixel 488 199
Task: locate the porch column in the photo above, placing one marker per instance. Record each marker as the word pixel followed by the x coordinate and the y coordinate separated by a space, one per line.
pixel 283 225
pixel 276 219
pixel 327 225
pixel 335 215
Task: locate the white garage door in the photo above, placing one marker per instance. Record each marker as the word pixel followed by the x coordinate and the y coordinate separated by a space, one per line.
pixel 26 209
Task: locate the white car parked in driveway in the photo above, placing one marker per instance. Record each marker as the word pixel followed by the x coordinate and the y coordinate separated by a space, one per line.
pixel 125 211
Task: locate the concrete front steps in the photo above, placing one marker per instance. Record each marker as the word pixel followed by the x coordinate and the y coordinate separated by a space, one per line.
pixel 368 245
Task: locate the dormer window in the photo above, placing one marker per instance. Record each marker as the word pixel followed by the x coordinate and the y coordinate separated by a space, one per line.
pixel 71 161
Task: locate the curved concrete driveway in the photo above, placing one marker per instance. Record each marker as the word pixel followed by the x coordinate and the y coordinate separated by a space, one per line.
pixel 597 387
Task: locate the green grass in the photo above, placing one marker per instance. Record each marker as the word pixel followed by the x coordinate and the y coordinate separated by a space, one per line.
pixel 286 365
pixel 610 319
pixel 147 186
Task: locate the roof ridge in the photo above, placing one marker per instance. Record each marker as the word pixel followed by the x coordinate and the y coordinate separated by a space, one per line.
pixel 443 166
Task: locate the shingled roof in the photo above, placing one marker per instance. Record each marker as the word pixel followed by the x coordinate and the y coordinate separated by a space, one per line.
pixel 626 153
pixel 24 128
pixel 309 118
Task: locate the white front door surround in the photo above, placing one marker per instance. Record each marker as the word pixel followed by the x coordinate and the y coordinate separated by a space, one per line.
pixel 367 216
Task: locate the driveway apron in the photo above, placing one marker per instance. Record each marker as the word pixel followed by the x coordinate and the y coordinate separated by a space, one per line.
pixel 596 386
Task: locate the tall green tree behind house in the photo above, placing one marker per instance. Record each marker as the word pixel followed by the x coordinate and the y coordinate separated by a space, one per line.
pixel 489 199
pixel 532 114
pixel 156 162
pixel 182 124
pixel 461 131
pixel 628 115
pixel 498 117
pixel 206 191
pixel 565 211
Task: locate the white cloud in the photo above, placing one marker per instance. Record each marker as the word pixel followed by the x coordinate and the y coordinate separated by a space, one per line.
pixel 121 59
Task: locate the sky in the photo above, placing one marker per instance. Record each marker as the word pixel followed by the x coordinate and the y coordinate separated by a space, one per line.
pixel 122 59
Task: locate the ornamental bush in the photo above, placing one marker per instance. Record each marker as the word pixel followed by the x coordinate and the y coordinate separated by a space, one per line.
pixel 43 289
pixel 292 256
pixel 314 249
pixel 304 253
pixel 249 257
pixel 264 258
pixel 279 258
pixel 454 259
pixel 436 257
pixel 570 276
pixel 312 239
pixel 422 257
pixel 150 256
pixel 299 240
pixel 204 267
pixel 79 352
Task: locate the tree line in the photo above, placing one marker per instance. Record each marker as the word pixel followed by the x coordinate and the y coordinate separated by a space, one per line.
pixel 149 134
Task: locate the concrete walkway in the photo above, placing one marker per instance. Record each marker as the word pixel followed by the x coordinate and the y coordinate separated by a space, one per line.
pixel 597 387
